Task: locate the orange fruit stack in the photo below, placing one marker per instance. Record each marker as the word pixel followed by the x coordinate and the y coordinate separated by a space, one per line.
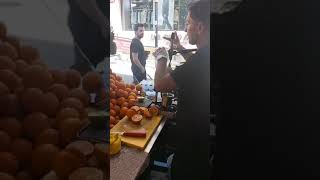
pixel 41 112
pixel 123 101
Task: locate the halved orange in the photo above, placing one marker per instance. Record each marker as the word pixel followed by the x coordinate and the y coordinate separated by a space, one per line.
pixel 135 108
pixel 137 118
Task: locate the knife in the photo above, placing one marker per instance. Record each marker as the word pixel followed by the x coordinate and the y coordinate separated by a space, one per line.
pixel 132 133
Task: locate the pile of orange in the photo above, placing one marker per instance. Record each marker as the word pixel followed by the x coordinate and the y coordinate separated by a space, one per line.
pixel 123 101
pixel 41 112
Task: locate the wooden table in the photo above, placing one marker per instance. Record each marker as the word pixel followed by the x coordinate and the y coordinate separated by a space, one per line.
pixel 131 162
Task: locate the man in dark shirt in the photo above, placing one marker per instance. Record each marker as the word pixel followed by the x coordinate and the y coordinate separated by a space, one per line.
pixel 137 55
pixel 192 81
pixel 267 57
pixel 89 26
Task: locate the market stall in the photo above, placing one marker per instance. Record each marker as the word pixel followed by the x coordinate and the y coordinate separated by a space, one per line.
pixel 135 122
pixel 52 121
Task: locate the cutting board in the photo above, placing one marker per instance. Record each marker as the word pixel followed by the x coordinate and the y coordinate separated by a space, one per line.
pixel 150 125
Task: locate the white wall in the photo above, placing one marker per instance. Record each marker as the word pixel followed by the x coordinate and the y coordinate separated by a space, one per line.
pixel 115 16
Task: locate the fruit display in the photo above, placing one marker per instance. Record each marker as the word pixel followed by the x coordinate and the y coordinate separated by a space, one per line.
pixel 123 102
pixel 41 113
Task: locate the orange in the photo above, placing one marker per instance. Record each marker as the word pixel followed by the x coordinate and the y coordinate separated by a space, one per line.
pixel 131 97
pixel 125 94
pixel 113 112
pixel 113 94
pixel 135 108
pixel 122 93
pixel 113 86
pixel 118 83
pixel 130 113
pixel 113 101
pixel 132 86
pixel 142 109
pixel 112 120
pixel 147 114
pixel 121 115
pixel 132 102
pixel 133 94
pixel 154 111
pixel 117 109
pixel 124 110
pixel 118 93
pixel 125 104
pixel 121 86
pixel 121 100
pixel 134 91
pixel 119 78
pixel 128 90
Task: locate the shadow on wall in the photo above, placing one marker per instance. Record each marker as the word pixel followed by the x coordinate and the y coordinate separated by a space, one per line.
pixel 55 55
pixel 9 4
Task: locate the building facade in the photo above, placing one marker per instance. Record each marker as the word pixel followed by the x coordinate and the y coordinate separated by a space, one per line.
pixel 171 15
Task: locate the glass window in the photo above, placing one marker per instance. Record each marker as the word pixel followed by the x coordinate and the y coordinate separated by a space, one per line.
pixel 171 14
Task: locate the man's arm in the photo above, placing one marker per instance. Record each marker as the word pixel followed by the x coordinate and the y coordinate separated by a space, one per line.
pixel 163 80
pixel 135 59
pixel 90 8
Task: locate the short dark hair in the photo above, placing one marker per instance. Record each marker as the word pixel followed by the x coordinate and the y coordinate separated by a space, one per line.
pixel 200 11
pixel 136 27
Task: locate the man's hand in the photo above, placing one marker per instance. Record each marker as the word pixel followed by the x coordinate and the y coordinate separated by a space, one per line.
pixel 135 59
pixel 177 46
pixel 176 42
pixel 161 53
